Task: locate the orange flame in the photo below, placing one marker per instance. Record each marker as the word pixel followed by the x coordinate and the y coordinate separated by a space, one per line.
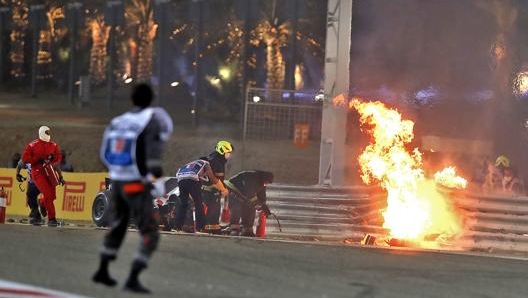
pixel 339 100
pixel 414 208
pixel 447 177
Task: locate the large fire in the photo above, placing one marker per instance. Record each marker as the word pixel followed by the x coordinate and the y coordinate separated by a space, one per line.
pixel 415 209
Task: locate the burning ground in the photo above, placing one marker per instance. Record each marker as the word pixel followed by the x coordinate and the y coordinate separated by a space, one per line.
pixel 416 211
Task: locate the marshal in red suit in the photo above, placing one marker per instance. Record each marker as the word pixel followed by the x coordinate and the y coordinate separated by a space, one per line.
pixel 40 153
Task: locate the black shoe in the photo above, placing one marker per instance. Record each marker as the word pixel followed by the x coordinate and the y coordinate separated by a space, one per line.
pixel 35 221
pixel 53 223
pixel 136 287
pixel 43 210
pixel 247 232
pixel 104 278
pixel 188 229
pixel 34 213
pixel 234 232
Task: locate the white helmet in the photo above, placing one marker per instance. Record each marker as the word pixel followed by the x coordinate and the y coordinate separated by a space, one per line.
pixel 44 133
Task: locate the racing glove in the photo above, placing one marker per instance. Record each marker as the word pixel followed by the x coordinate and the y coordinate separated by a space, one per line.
pixel 220 186
pixel 20 178
pixel 61 181
pixel 264 208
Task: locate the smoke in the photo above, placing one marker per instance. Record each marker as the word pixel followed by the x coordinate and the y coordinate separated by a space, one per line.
pixel 409 45
pixel 444 49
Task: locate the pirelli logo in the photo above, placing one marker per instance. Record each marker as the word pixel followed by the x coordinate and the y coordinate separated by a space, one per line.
pixel 7 184
pixel 74 196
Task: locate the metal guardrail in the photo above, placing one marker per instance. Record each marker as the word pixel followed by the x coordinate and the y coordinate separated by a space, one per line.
pixel 494 223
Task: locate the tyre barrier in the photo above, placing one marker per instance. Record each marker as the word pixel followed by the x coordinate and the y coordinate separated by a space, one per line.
pixel 494 223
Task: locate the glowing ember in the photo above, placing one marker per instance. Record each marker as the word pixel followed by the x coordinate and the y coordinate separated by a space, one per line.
pixel 339 100
pixel 414 208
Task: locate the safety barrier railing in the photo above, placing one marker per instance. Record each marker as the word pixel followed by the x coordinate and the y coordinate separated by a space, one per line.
pixel 494 223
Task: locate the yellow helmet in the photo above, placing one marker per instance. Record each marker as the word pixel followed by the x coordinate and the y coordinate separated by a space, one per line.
pixel 502 161
pixel 224 147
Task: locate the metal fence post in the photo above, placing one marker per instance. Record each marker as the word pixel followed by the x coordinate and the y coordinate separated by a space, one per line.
pixel 74 18
pixel 36 21
pixel 113 17
pixel 5 17
pixel 160 16
pixel 198 16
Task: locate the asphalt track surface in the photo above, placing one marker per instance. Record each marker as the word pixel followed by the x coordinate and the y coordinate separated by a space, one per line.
pixel 63 259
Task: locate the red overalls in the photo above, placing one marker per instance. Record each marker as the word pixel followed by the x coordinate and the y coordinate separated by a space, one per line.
pixel 35 153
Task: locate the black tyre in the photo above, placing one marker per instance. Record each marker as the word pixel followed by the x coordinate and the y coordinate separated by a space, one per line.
pixel 101 209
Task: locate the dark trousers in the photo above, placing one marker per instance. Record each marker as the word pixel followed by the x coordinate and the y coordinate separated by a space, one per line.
pixel 212 217
pixel 241 212
pixel 32 199
pixel 190 189
pixel 137 204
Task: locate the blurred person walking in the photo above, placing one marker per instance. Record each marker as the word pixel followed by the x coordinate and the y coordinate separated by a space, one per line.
pixel 65 165
pixel 13 161
pixel 211 195
pixel 131 149
pixel 42 155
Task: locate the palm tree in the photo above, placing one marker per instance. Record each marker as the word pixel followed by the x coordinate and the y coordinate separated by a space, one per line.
pixel 272 32
pixel 100 33
pixel 20 13
pixel 141 31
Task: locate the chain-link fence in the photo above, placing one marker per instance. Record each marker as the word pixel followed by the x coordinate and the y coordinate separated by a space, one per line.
pixel 275 114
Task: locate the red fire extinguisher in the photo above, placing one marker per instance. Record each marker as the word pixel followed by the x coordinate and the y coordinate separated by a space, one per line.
pixel 226 214
pixel 261 226
pixel 3 205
